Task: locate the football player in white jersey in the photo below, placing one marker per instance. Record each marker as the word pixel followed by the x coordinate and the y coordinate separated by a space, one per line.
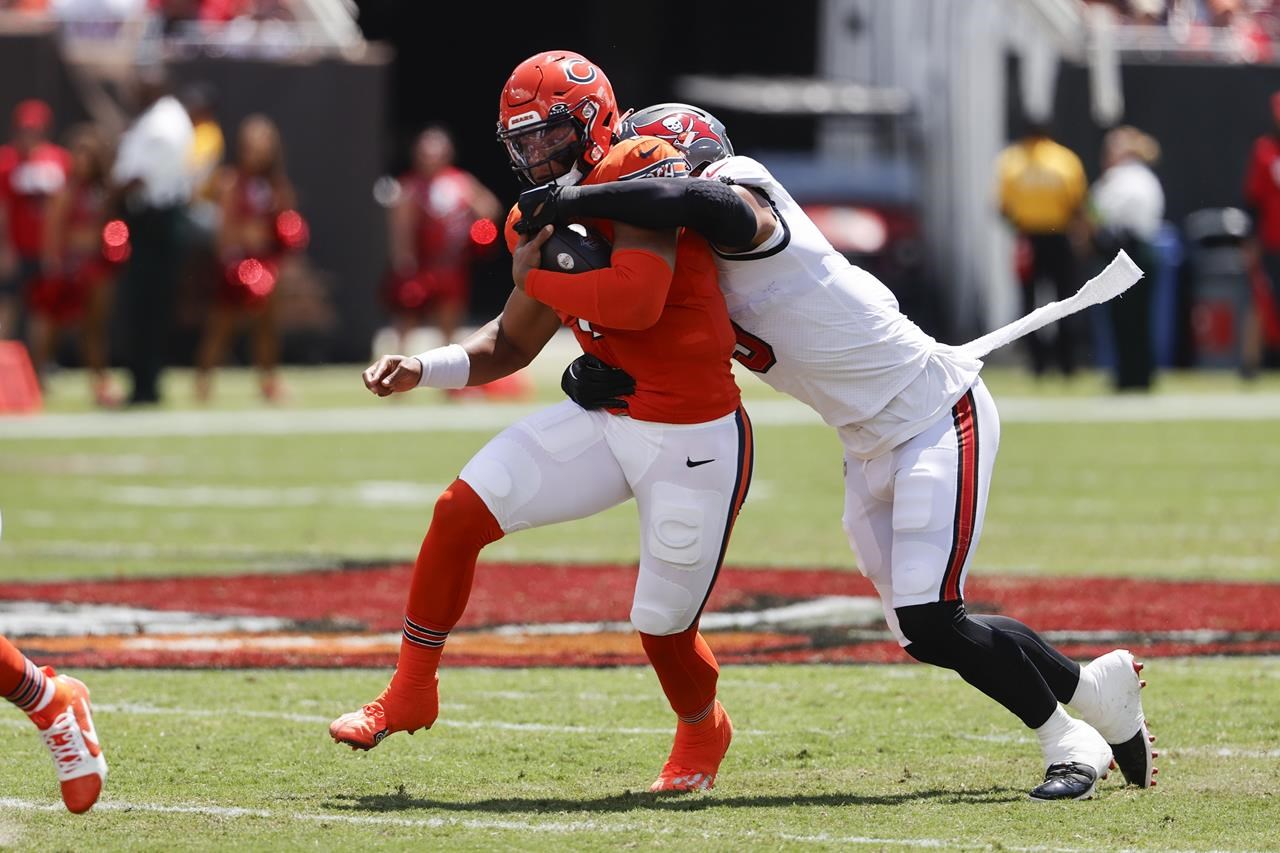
pixel 919 429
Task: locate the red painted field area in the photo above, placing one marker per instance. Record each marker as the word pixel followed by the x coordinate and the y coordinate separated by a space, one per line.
pixel 530 615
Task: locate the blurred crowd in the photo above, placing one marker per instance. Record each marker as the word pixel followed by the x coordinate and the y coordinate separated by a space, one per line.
pixel 1212 13
pixel 1250 29
pixel 174 12
pixel 106 240
pixel 1066 226
pixel 239 27
pixel 99 234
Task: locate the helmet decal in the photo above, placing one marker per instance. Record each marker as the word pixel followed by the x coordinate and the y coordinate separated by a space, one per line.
pixel 698 134
pixel 586 75
pixel 680 128
pixel 523 118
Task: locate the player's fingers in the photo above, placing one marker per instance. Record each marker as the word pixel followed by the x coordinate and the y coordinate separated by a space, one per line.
pixel 389 381
pixel 542 236
pixel 383 366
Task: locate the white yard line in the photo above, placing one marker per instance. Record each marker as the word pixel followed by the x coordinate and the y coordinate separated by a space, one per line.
pixel 490 417
pixel 558 827
pixel 234 812
pixel 1223 752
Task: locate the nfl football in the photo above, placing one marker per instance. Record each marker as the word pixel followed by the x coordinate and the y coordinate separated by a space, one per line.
pixel 574 249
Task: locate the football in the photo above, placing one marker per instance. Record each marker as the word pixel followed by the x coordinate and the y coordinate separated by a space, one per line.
pixel 574 249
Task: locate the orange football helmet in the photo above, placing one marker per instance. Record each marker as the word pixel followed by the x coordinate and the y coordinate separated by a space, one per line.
pixel 556 117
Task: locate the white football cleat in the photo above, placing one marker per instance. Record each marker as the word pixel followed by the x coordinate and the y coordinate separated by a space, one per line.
pixel 1109 698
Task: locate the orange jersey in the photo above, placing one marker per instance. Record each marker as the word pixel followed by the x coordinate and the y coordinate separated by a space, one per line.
pixel 681 364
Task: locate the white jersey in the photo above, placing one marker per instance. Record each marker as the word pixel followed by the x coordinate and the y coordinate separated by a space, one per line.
pixel 831 334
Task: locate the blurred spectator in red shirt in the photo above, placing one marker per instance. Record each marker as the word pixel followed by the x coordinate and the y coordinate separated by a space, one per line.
pixel 32 169
pixel 31 6
pixel 81 256
pixel 258 232
pixel 1262 198
pixel 436 225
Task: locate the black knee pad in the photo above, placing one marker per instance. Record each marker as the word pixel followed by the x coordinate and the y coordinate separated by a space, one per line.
pixel 930 623
pixel 932 630
pixel 944 634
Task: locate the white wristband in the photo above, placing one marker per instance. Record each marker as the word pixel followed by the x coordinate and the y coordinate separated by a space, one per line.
pixel 444 367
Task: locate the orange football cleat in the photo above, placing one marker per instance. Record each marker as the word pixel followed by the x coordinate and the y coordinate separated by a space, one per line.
pixel 366 728
pixel 66 726
pixel 696 754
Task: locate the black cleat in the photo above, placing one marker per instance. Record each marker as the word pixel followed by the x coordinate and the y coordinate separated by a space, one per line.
pixel 1067 780
pixel 1136 759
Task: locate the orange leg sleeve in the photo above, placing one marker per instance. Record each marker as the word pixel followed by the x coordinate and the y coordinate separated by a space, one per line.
pixel 686 669
pixel 442 576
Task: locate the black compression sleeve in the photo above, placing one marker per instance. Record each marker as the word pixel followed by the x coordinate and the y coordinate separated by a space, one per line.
pixel 708 206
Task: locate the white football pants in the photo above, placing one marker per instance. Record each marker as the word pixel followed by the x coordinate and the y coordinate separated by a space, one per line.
pixel 914 514
pixel 689 481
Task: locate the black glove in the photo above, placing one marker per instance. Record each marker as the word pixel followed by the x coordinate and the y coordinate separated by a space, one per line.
pixel 546 196
pixel 592 384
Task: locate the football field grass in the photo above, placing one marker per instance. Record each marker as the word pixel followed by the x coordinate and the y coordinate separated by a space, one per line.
pixel 851 756
pixel 1190 496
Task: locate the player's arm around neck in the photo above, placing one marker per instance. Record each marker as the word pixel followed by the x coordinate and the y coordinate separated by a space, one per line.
pixel 729 216
pixel 629 294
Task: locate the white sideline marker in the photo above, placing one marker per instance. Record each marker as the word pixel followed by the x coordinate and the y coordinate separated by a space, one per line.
pixel 1119 275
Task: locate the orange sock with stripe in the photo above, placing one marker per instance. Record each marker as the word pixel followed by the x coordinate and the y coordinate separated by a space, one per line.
pixel 687 670
pixel 21 681
pixel 442 576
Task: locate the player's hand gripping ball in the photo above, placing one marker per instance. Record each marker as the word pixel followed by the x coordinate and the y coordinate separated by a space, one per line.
pixel 575 249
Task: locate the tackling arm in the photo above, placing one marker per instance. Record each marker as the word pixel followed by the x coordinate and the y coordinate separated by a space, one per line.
pixel 727 215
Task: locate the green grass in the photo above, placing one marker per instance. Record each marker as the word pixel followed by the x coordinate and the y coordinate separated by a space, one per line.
pixel 1187 499
pixel 878 757
pixel 824 756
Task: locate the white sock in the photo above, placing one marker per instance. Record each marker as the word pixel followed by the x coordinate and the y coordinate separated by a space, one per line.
pixel 1083 700
pixel 1053 729
pixel 45 698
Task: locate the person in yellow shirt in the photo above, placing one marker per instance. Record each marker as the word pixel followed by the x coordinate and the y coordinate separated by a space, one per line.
pixel 203 271
pixel 1041 188
pixel 208 147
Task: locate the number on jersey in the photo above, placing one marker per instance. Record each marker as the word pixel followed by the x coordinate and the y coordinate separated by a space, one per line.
pixel 753 353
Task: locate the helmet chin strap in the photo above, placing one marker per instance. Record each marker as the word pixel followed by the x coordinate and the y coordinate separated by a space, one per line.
pixel 571 178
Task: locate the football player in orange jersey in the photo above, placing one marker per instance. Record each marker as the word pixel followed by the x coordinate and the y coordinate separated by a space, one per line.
pixel 59 706
pixel 680 445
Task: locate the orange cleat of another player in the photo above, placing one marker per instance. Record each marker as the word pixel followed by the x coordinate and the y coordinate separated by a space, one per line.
pixel 696 754
pixel 366 728
pixel 66 726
